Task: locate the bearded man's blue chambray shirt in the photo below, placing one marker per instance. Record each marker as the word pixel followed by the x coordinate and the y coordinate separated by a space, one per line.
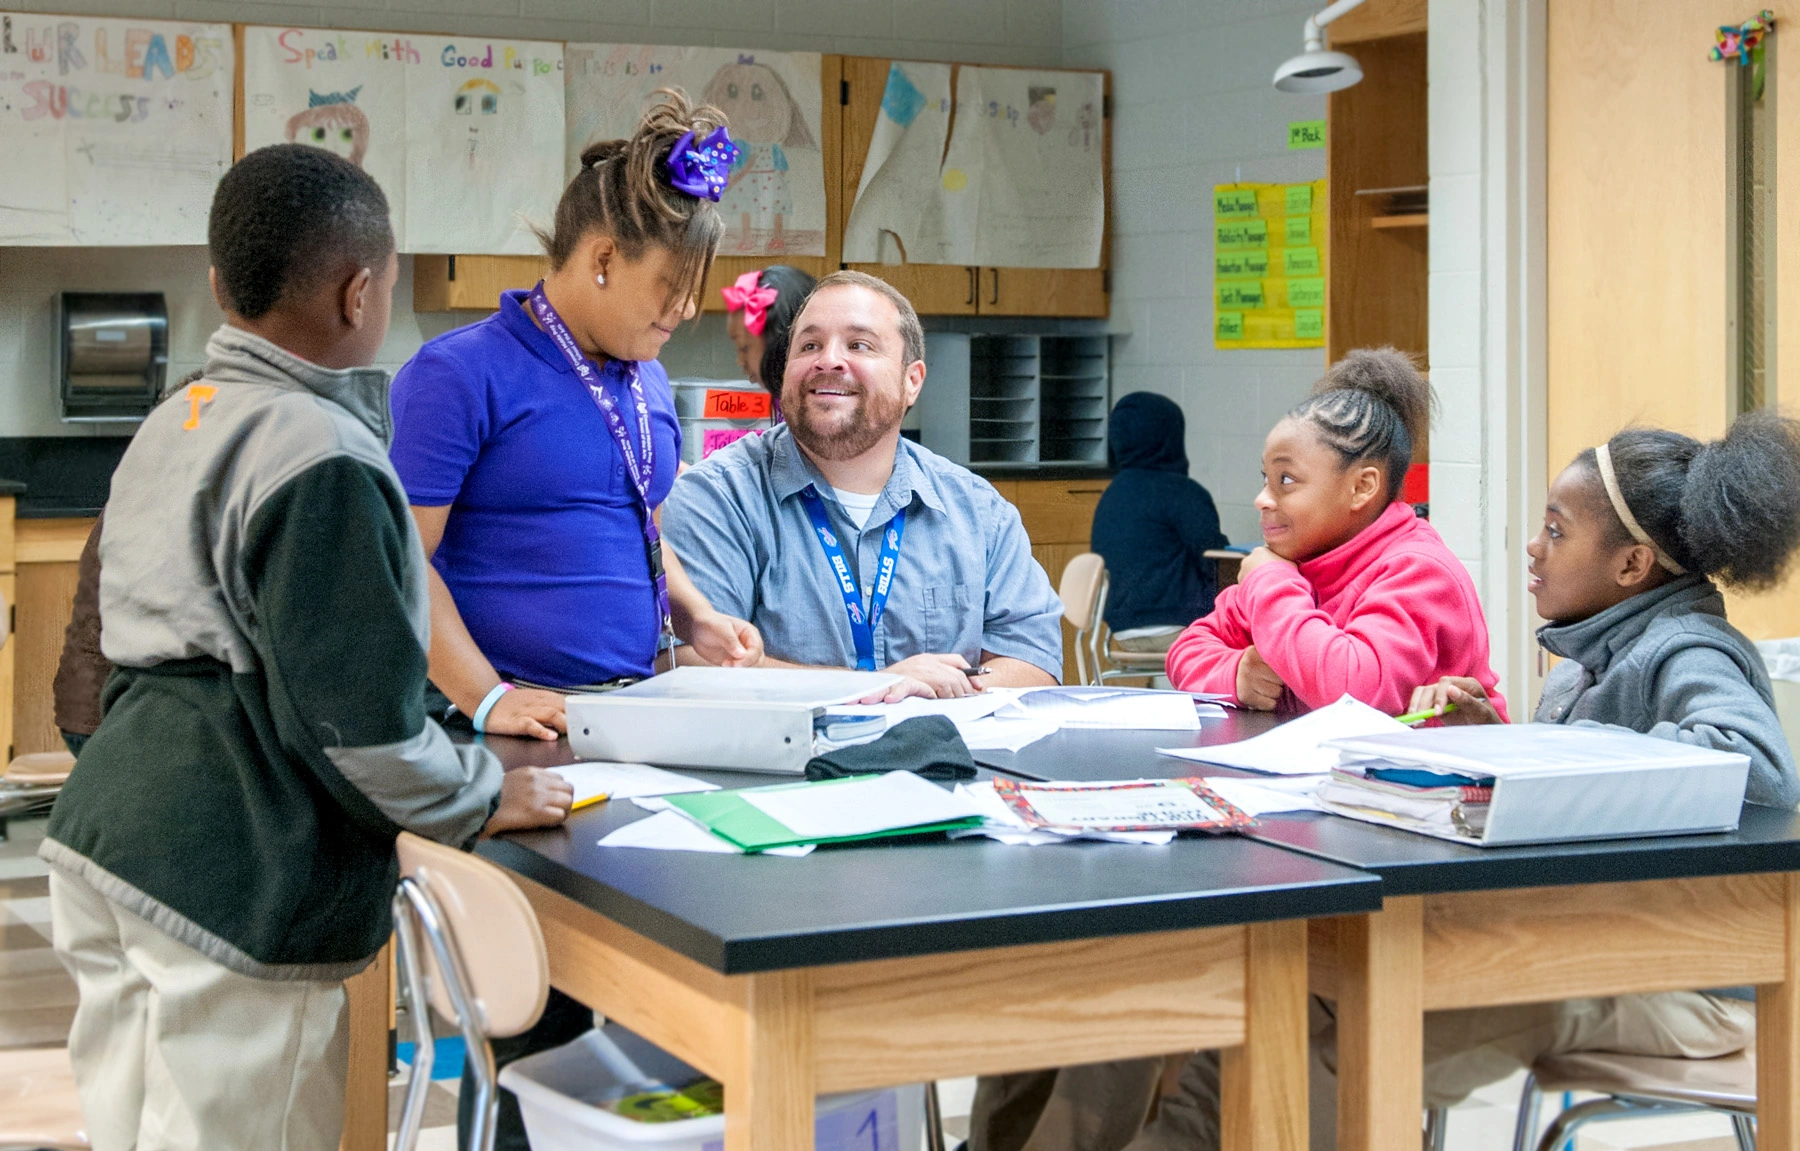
pixel 965 582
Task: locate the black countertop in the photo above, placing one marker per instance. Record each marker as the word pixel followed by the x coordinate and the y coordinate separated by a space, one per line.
pixel 927 895
pixel 61 476
pixel 1767 839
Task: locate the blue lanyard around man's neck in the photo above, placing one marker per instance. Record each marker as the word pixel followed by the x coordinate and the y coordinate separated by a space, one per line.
pixel 862 626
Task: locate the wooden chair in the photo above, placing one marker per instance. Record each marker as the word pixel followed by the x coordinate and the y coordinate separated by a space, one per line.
pixel 30 783
pixel 468 945
pixel 1083 594
pixel 38 1104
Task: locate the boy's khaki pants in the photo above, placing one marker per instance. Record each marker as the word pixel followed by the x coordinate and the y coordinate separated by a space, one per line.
pixel 173 1051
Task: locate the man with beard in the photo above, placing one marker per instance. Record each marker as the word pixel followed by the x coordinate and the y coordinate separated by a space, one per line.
pixel 847 545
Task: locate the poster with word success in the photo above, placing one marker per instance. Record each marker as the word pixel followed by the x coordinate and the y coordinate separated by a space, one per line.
pixel 115 132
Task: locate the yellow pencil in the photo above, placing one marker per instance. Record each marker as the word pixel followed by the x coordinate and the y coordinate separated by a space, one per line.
pixel 589 801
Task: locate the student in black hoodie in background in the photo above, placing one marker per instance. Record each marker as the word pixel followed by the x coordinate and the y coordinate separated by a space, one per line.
pixel 1153 527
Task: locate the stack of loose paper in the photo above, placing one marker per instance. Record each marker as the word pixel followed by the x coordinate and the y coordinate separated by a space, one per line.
pixel 1111 708
pixel 1297 747
pixel 626 781
pixel 1269 795
pixel 1007 719
pixel 1145 811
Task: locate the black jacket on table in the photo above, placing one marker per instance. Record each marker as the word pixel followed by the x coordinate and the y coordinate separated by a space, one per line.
pixel 263 597
pixel 1154 525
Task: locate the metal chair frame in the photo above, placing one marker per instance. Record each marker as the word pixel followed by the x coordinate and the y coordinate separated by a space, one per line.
pixel 1102 656
pixel 1621 1106
pixel 416 913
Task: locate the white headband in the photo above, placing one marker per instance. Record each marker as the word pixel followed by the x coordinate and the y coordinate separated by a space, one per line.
pixel 1603 456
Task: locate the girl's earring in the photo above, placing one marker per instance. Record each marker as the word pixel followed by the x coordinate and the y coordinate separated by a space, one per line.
pixel 600 279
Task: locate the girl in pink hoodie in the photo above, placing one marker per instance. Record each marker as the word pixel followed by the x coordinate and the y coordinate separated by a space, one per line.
pixel 1350 592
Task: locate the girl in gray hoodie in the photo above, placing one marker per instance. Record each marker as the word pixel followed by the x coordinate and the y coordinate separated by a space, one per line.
pixel 1635 534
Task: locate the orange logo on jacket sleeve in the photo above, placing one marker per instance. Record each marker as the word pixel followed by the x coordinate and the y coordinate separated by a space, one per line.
pixel 198 395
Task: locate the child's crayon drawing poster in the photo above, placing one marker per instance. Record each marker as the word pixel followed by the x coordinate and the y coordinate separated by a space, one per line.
pixel 1030 146
pixel 1010 174
pixel 898 214
pixel 464 134
pixel 775 203
pixel 115 131
pixel 1269 265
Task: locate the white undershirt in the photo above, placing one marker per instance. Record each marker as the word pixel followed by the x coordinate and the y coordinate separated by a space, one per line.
pixel 857 506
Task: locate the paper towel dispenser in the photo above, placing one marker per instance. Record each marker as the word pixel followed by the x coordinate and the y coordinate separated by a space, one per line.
pixel 112 354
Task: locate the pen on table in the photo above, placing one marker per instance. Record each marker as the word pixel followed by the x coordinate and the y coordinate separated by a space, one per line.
pixel 1421 716
pixel 972 672
pixel 589 801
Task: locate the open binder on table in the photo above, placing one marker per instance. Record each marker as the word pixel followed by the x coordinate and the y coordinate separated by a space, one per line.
pixel 1535 783
pixel 747 719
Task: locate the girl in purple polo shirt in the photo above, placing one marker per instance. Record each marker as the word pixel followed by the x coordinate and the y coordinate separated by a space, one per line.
pixel 537 445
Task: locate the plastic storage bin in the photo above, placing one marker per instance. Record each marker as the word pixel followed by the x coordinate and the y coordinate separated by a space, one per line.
pixel 716 413
pixel 560 1094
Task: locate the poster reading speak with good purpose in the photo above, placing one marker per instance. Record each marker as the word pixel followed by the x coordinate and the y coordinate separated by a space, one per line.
pixel 464 134
pixel 115 132
pixel 775 203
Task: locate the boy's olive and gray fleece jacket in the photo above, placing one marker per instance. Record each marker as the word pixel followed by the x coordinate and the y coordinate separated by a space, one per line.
pixel 1667 663
pixel 263 596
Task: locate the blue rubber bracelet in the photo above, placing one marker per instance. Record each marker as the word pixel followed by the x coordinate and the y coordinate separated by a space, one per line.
pixel 487 704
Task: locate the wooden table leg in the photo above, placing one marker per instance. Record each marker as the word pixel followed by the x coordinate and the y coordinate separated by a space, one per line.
pixel 366 1087
pixel 769 1096
pixel 1381 1026
pixel 1263 1105
pixel 1778 1044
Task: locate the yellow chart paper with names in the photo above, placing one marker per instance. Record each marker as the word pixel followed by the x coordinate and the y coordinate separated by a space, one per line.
pixel 1269 265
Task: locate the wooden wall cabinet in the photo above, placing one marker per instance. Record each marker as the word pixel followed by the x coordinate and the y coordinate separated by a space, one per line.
pixel 1059 519
pixel 471 283
pixel 959 289
pixel 852 87
pixel 46 554
pixel 1378 287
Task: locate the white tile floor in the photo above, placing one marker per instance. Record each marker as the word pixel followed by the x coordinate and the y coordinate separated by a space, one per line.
pixel 36 998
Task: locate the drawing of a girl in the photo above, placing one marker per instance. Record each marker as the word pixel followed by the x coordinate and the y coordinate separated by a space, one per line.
pixel 332 121
pixel 767 121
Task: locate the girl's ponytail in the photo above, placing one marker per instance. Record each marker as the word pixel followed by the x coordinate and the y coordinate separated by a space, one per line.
pixel 623 191
pixel 1728 509
pixel 1373 404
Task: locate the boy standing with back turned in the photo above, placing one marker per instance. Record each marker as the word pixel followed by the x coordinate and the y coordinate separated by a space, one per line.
pixel 223 855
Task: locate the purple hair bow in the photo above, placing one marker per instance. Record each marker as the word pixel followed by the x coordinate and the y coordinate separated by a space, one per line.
pixel 702 170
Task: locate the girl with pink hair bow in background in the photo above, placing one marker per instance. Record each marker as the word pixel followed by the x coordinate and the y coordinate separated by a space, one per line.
pixel 761 307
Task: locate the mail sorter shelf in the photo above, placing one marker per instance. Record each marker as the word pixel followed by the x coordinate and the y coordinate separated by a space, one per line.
pixel 1031 399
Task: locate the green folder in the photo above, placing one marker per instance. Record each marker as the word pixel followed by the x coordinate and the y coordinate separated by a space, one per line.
pixel 730 817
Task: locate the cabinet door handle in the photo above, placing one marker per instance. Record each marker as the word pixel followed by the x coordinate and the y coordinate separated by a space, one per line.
pixel 995 298
pixel 971 300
